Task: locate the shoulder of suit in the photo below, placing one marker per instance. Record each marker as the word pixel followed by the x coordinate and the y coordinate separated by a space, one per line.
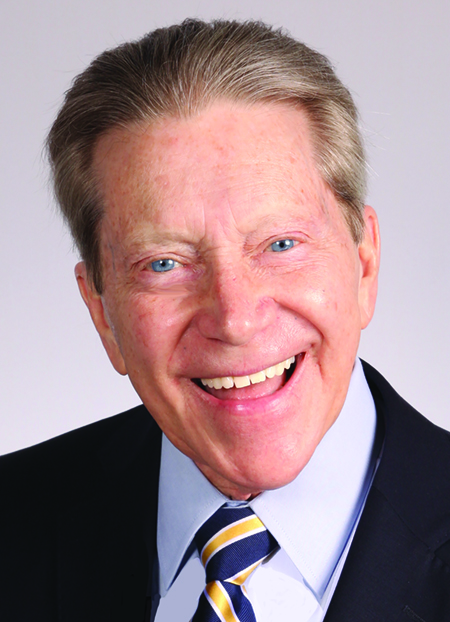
pixel 414 472
pixel 35 476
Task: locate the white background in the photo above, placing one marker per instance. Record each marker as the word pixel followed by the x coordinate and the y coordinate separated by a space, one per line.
pixel 394 56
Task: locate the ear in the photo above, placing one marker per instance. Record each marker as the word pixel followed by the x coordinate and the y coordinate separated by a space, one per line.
pixel 369 256
pixel 95 304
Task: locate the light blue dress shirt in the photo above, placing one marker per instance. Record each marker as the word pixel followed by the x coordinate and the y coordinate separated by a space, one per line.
pixel 313 518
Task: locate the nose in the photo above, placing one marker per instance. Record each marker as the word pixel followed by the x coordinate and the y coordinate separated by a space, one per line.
pixel 235 307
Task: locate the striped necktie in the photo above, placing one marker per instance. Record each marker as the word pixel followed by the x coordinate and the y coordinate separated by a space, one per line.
pixel 231 544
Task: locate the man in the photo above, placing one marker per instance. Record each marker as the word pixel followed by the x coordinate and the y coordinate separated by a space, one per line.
pixel 213 179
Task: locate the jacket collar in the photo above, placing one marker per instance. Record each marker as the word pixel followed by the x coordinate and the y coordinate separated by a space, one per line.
pixel 392 571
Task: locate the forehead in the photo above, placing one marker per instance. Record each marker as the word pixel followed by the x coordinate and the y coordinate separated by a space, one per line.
pixel 250 161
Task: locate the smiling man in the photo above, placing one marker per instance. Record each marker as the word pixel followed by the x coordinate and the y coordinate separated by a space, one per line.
pixel 226 260
pixel 213 178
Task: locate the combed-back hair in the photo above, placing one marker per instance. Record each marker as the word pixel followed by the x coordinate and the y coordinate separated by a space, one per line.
pixel 180 70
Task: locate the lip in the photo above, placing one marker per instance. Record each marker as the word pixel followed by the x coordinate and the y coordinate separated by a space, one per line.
pixel 257 405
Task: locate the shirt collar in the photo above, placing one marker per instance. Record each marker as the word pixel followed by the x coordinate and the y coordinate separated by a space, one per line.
pixel 311 518
pixel 186 500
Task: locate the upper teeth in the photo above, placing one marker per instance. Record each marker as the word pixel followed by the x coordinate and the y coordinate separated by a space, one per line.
pixel 227 382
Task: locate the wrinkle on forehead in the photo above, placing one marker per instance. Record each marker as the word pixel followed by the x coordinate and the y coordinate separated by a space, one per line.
pixel 174 164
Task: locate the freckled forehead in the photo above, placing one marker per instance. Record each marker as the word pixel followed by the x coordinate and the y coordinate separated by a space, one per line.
pixel 228 154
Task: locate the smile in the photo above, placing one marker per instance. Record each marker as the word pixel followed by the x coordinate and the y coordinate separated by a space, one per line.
pixel 228 382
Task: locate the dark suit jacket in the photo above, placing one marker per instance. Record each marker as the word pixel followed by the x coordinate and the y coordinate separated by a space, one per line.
pixel 78 525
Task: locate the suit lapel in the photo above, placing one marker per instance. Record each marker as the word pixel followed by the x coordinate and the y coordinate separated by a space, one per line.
pixel 394 570
pixel 390 573
pixel 107 543
pixel 385 560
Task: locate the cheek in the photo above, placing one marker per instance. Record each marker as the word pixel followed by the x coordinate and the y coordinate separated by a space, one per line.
pixel 326 300
pixel 139 331
pixel 150 329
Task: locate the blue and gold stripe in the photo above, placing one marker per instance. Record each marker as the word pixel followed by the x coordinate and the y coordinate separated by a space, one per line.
pixel 232 544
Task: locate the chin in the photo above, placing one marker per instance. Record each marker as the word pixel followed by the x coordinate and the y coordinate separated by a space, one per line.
pixel 258 474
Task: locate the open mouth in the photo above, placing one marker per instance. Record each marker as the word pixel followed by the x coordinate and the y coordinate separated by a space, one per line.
pixel 263 382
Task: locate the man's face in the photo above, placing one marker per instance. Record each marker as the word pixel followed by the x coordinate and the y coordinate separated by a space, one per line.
pixel 225 255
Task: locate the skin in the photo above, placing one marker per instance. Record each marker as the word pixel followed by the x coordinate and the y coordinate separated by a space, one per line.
pixel 213 193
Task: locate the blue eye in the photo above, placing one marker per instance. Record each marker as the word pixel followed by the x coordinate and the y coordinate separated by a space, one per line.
pixel 282 245
pixel 163 265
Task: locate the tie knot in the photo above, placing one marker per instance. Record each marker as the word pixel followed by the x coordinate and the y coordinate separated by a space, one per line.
pixel 232 543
